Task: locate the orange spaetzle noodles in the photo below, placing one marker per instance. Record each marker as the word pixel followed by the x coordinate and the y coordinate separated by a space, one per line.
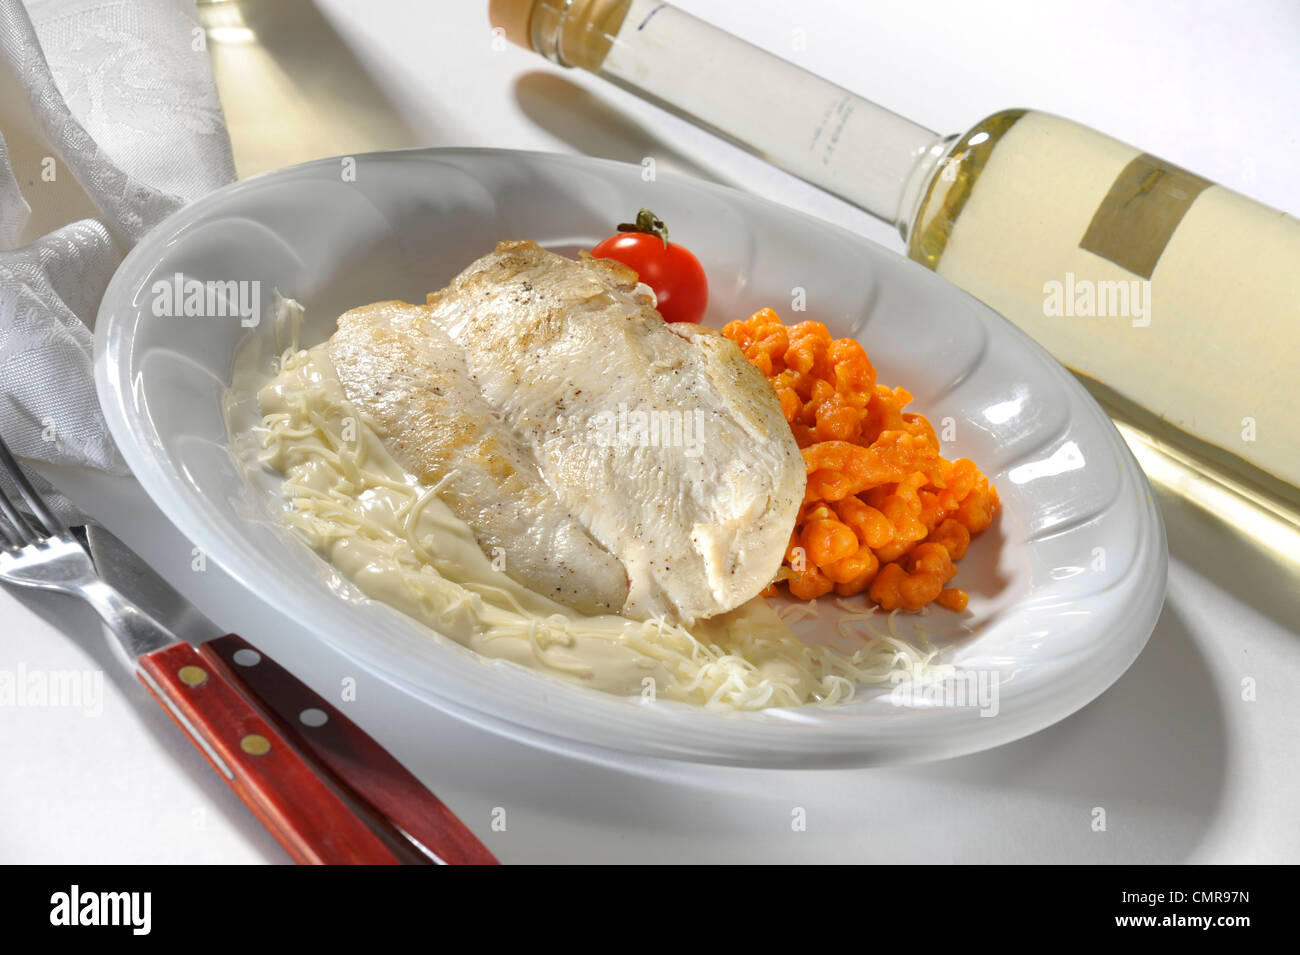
pixel 884 511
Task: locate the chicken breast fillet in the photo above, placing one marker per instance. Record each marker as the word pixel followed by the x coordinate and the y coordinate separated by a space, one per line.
pixel 400 369
pixel 651 462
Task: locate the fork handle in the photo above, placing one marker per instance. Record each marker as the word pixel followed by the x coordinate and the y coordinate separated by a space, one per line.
pixel 312 821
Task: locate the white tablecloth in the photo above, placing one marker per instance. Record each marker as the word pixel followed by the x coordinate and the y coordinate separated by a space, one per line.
pixel 1185 768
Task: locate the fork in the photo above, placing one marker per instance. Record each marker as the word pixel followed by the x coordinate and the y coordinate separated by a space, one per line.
pixel 289 793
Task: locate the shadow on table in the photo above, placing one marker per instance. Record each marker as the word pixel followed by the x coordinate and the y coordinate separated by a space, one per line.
pixel 595 127
pixel 1151 752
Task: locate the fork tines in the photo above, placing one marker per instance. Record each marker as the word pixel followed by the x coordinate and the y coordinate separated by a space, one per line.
pixel 19 528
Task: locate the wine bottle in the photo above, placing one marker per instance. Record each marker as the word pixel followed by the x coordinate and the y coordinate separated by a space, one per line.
pixel 1175 300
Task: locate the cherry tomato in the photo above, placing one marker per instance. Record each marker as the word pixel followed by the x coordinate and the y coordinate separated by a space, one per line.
pixel 674 274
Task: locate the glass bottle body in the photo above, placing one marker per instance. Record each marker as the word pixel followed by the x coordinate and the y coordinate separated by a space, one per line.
pixel 1176 301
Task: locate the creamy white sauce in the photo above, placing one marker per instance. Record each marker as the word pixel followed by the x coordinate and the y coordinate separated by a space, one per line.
pixel 401 545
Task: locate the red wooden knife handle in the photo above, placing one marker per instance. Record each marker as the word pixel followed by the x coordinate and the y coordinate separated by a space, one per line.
pixel 283 789
pixel 359 764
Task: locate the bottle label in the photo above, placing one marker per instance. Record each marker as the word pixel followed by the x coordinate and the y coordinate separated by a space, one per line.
pixel 1140 212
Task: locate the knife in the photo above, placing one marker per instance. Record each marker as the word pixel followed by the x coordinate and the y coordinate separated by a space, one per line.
pixel 368 780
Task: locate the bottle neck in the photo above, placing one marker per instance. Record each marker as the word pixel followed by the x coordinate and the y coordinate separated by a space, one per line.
pixel 794 119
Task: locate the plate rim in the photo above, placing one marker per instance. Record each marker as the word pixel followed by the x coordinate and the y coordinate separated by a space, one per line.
pixel 144 453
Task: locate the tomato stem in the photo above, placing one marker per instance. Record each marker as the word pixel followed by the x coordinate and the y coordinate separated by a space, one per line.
pixel 649 223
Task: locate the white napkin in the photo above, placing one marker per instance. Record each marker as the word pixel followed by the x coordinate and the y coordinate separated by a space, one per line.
pixel 109 121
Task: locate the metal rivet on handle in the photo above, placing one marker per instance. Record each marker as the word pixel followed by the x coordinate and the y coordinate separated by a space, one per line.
pixel 192 675
pixel 247 658
pixel 313 717
pixel 255 745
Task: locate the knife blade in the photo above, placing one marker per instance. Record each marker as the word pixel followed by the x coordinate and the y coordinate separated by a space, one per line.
pixel 124 569
pixel 350 758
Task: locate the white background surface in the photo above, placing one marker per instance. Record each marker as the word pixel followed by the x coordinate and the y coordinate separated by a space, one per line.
pixel 1183 766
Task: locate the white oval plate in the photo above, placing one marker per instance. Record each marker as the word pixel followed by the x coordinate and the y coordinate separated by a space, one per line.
pixel 1065 587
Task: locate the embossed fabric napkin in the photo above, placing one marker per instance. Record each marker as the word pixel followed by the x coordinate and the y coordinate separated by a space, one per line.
pixel 109 121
